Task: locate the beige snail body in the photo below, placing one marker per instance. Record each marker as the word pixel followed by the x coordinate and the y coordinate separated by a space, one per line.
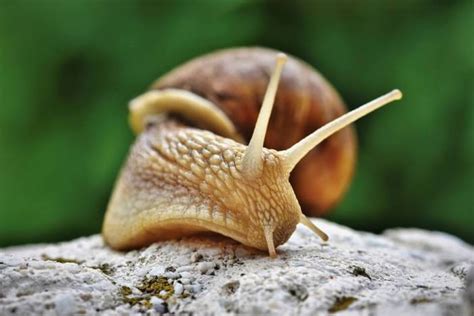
pixel 189 172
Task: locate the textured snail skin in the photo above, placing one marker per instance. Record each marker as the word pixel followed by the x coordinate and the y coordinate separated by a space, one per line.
pixel 179 181
pixel 236 79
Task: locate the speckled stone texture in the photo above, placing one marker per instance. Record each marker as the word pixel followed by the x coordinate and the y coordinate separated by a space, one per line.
pixel 401 272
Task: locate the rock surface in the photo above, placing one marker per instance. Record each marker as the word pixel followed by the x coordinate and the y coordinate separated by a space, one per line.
pixel 401 272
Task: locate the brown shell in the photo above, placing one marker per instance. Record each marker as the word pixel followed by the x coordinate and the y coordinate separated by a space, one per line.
pixel 236 80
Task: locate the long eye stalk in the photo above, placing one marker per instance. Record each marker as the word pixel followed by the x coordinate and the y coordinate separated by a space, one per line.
pixel 253 160
pixel 297 152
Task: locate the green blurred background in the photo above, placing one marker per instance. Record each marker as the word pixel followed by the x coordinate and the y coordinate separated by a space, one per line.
pixel 68 69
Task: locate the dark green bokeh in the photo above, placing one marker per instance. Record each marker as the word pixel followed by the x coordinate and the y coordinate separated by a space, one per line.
pixel 68 69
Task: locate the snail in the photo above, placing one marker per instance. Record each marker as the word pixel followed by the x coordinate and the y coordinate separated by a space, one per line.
pixel 191 170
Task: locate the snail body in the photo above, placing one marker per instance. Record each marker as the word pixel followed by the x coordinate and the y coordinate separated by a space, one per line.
pixel 192 180
pixel 181 179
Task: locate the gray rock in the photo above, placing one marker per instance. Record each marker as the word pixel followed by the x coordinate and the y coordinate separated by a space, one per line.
pixel 178 289
pixel 158 304
pixel 401 272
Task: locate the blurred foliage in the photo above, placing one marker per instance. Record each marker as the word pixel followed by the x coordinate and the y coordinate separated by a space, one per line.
pixel 68 68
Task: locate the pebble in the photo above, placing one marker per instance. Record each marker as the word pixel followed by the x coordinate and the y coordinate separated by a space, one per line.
pixel 156 271
pixel 196 257
pixel 184 268
pixel 204 267
pixel 158 304
pixel 211 252
pixel 171 275
pixel 156 300
pixel 182 261
pixel 65 304
pixel 142 272
pixel 185 281
pixel 193 288
pixel 151 250
pixel 162 293
pixel 187 275
pixel 178 288
pixel 12 261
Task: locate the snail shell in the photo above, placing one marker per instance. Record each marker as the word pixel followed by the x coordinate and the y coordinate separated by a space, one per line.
pixel 235 80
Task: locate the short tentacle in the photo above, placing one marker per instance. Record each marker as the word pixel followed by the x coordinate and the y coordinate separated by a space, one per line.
pixel 308 223
pixel 268 231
